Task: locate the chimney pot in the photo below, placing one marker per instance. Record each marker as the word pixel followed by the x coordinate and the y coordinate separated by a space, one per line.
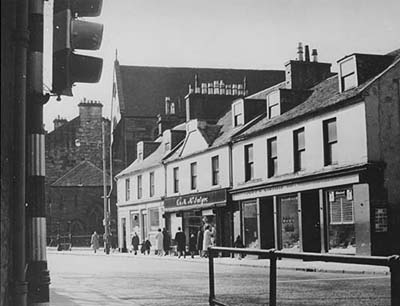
pixel 307 53
pixel 314 55
pixel 300 51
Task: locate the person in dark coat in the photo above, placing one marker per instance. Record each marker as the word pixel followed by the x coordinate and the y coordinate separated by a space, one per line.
pixel 239 244
pixel 135 243
pixel 167 241
pixel 180 240
pixel 200 241
pixel 146 247
pixel 192 244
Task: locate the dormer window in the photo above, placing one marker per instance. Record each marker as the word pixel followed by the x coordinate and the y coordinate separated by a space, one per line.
pixel 237 110
pixel 347 74
pixel 172 108
pixel 140 155
pixel 169 106
pixel 273 107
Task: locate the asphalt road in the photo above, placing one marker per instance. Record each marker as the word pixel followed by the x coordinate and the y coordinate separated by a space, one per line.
pixel 140 280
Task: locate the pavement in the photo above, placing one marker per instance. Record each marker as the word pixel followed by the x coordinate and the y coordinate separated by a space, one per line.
pixel 249 261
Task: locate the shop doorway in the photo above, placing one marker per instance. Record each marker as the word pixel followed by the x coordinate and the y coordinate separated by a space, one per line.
pixel 310 218
pixel 123 247
pixel 144 225
pixel 267 223
pixel 289 224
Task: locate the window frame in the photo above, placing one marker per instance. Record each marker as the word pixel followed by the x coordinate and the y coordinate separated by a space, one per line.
pixel 215 170
pixel 329 144
pixel 193 176
pixel 348 75
pixel 127 189
pixel 271 105
pixel 151 184
pixel 248 162
pixel 298 152
pixel 139 186
pixel 272 159
pixel 175 174
pixel 238 113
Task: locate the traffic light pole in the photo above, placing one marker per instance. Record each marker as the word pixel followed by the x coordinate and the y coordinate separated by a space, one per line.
pixel 37 273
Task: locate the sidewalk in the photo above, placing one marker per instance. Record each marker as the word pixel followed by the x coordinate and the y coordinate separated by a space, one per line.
pixel 283 264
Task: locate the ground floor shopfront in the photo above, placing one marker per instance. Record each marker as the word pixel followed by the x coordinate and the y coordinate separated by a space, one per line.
pixel 336 212
pixel 192 212
pixel 144 219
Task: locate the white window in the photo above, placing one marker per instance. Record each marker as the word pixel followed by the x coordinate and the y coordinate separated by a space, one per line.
pixel 273 107
pixel 238 117
pixel 348 77
pixel 341 206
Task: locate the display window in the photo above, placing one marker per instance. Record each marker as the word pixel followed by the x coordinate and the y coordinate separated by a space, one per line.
pixel 341 228
pixel 250 224
pixel 289 224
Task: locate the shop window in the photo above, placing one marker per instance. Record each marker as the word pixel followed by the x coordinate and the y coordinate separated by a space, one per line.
pixel 215 170
pixel 299 149
pixel 341 222
pixel 272 157
pixel 193 176
pixel 154 215
pixel 248 162
pixel 134 220
pixel 139 187
pixel 250 224
pixel 176 179
pixel 127 189
pixel 151 181
pixel 289 223
pixel 330 142
pixel 273 107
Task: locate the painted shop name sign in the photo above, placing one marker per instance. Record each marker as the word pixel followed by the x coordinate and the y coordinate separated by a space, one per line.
pixel 199 199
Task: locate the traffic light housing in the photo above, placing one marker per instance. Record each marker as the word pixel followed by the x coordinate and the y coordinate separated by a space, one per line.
pixel 70 33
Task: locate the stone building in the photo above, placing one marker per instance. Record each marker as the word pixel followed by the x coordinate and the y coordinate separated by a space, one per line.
pixel 73 149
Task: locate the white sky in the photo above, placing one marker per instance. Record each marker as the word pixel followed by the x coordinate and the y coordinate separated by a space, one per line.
pixel 258 34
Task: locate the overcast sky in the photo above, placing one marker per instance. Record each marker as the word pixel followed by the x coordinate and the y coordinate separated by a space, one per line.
pixel 258 34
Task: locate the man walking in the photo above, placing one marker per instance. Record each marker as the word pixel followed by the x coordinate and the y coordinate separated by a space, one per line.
pixel 180 239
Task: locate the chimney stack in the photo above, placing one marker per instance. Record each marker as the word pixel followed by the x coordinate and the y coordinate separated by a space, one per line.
pixel 314 55
pixel 300 51
pixel 307 53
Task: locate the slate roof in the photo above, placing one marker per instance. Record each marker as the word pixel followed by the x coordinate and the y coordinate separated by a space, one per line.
pixel 84 174
pixel 325 96
pixel 153 159
pixel 142 90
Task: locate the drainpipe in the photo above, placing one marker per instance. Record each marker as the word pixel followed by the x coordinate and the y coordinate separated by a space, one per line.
pixel 21 40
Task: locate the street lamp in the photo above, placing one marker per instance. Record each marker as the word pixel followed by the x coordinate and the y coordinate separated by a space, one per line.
pixel 106 212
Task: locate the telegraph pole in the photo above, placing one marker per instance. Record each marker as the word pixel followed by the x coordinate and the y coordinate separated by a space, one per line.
pixel 105 197
pixel 37 274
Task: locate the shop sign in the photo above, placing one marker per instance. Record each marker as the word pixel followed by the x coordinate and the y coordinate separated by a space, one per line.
pixel 381 220
pixel 198 199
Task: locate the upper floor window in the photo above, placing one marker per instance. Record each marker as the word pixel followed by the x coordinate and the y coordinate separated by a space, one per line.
pixel 299 149
pixel 348 77
pixel 151 181
pixel 139 186
pixel 238 118
pixel 330 142
pixel 272 157
pixel 140 155
pixel 176 179
pixel 248 162
pixel 193 176
pixel 167 146
pixel 273 108
pixel 127 189
pixel 215 170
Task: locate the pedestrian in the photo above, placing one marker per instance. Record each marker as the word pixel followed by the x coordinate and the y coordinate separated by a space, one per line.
pixel 213 235
pixel 146 247
pixel 207 240
pixel 200 235
pixel 166 241
pixel 192 244
pixel 239 244
pixel 94 241
pixel 159 242
pixel 180 240
pixel 135 243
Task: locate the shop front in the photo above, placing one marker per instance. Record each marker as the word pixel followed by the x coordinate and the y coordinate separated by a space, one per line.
pixel 192 212
pixel 327 215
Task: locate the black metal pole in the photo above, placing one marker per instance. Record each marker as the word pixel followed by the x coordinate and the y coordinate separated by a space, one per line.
pixel 211 276
pixel 272 279
pixel 394 264
pixel 37 272
pixel 19 225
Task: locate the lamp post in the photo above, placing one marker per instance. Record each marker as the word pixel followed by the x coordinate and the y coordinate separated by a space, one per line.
pixel 106 212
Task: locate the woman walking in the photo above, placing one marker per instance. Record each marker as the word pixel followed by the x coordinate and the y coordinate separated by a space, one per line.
pixel 94 241
pixel 159 242
pixel 207 240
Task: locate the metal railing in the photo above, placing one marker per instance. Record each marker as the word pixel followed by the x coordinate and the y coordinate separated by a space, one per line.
pixel 393 262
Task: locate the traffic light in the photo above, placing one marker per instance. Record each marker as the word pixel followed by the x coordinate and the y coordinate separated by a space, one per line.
pixel 70 33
